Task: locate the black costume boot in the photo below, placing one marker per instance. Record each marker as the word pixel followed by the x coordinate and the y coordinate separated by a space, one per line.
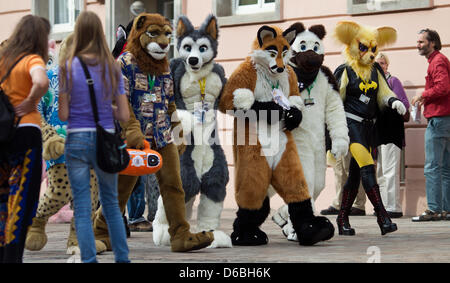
pixel 309 228
pixel 246 230
pixel 343 222
pixel 349 193
pixel 373 194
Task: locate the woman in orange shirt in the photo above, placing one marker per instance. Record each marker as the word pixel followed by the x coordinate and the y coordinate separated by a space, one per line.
pixel 21 166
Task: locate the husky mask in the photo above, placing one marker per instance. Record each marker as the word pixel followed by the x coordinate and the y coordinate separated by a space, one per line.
pixel 197 47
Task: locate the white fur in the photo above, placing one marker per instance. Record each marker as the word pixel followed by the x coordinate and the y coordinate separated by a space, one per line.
pixel 308 40
pixel 243 98
pixel 187 121
pixel 273 141
pixel 196 52
pixel 203 157
pixel 297 101
pixel 161 236
pixel 339 148
pixel 399 106
pixel 156 51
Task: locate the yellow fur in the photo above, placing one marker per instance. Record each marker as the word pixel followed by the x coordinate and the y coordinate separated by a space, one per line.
pixel 352 35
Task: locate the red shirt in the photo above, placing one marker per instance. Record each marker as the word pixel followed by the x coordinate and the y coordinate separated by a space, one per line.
pixel 437 87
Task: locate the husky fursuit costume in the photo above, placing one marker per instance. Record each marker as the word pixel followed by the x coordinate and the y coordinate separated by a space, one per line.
pixel 198 85
pixel 272 158
pixel 373 115
pixel 323 106
pixel 58 192
pixel 149 88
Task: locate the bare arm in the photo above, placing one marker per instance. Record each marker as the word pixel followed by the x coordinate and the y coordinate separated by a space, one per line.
pixel 40 86
pixel 121 112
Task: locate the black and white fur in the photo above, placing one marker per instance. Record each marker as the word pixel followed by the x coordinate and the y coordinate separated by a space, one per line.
pixel 204 169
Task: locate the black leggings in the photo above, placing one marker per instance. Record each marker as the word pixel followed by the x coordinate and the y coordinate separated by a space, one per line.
pixel 20 182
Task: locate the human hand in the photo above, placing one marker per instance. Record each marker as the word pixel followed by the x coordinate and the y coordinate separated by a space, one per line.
pixel 27 106
pixel 417 99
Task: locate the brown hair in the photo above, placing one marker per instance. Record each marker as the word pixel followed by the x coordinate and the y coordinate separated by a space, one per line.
pixel 433 36
pixel 30 36
pixel 89 38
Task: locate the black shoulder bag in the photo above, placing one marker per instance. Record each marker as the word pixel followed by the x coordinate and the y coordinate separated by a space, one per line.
pixel 8 122
pixel 112 156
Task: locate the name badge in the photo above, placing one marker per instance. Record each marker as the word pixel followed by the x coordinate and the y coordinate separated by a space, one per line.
pixel 364 98
pixel 200 110
pixel 280 99
pixel 309 101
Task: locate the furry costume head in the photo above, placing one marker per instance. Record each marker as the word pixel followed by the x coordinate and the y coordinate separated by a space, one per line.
pixel 149 42
pixel 363 44
pixel 271 48
pixel 197 47
pixel 308 47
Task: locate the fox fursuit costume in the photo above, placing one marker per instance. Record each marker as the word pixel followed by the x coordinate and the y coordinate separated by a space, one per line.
pixel 374 115
pixel 198 85
pixel 323 106
pixel 272 159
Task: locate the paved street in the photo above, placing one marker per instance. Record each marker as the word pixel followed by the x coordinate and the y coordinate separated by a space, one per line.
pixel 413 242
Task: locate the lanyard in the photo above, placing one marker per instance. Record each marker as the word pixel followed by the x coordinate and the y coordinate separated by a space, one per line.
pixel 310 87
pixel 202 84
pixel 271 84
pixel 151 82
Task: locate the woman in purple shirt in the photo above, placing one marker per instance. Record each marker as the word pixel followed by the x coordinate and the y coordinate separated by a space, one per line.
pixel 74 106
pixel 389 155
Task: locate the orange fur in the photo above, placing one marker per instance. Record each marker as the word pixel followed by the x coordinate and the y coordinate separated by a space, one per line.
pixel 253 174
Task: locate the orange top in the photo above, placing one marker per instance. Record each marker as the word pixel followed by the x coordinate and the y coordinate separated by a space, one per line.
pixel 18 86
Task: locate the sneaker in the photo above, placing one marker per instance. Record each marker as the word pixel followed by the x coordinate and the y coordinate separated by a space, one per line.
pixel 357 212
pixel 143 226
pixel 428 215
pixel 395 214
pixel 330 211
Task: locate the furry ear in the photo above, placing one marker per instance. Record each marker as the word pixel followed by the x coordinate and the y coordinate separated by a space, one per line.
pixel 211 27
pixel 386 36
pixel 184 26
pixel 265 31
pixel 318 30
pixel 298 26
pixel 290 35
pixel 346 31
pixel 140 21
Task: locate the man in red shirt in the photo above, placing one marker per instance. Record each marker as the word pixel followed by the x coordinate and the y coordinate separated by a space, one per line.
pixel 436 102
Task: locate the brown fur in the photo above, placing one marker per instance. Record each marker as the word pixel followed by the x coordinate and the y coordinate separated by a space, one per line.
pixel 138 39
pixel 253 174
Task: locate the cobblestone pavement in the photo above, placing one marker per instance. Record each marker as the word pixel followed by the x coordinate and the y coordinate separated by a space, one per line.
pixel 412 243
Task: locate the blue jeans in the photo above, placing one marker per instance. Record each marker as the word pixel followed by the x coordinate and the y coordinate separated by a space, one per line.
pixel 136 203
pixel 80 152
pixel 437 163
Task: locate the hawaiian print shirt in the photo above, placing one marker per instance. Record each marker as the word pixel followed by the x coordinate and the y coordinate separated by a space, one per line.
pixel 48 107
pixel 150 98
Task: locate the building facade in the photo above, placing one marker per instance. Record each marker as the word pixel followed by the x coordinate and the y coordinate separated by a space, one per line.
pixel 239 21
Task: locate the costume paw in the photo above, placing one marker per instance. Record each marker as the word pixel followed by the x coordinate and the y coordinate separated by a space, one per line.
pixel 36 238
pixel 399 106
pixel 243 99
pixel 53 148
pixel 191 242
pixel 221 240
pixel 249 238
pixel 289 232
pixel 316 230
pixel 339 148
pixel 293 118
pixel 161 235
pixel 281 216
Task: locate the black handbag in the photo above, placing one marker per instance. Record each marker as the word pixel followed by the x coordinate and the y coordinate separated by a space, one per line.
pixel 8 121
pixel 112 156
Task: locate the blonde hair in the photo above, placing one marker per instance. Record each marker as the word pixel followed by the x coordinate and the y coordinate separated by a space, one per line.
pixel 64 49
pixel 381 55
pixel 89 38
